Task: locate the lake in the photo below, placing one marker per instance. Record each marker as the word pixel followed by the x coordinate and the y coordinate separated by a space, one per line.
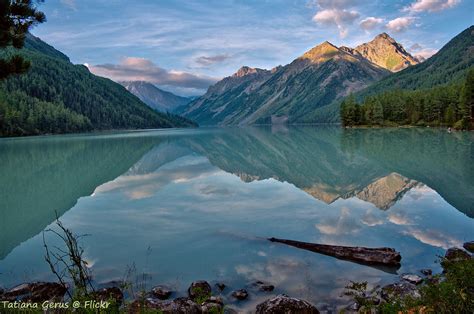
pixel 174 206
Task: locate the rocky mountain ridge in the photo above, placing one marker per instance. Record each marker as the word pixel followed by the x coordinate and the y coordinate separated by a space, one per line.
pixel 319 77
pixel 384 51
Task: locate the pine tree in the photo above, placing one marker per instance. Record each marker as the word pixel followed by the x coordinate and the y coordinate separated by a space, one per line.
pixel 467 99
pixel 378 112
pixel 16 18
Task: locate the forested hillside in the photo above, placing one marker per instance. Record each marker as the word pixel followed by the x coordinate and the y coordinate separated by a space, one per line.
pixel 56 96
pixel 447 105
pixel 437 92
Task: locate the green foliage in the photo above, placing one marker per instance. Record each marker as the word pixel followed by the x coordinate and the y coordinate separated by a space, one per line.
pixel 201 295
pixel 22 115
pixel 56 96
pixel 422 94
pixel 438 106
pixel 467 100
pixel 16 18
pixel 451 292
pixel 365 298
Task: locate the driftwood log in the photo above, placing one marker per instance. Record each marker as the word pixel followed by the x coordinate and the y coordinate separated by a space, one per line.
pixel 368 256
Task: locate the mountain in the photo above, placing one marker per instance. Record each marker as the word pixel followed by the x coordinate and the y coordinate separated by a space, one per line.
pixel 384 51
pixel 449 64
pixel 56 96
pixel 287 93
pixel 429 80
pixel 154 97
pixel 219 102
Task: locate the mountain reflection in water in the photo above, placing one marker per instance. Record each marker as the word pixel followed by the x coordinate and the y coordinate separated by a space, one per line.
pixel 205 200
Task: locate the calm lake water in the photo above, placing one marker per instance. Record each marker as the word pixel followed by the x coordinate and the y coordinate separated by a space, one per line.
pixel 184 205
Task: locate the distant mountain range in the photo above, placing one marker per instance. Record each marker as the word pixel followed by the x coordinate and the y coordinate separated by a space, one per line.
pixel 290 93
pixel 154 97
pixel 310 88
pixel 56 96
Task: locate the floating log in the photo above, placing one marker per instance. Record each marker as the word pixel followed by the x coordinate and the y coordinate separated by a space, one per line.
pixel 369 256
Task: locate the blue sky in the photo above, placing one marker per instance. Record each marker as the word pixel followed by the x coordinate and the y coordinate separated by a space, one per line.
pixel 184 46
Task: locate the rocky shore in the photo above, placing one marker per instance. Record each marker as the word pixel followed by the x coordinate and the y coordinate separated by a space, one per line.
pixel 204 298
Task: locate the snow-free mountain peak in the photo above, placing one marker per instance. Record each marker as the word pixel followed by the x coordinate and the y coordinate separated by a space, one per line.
pixel 387 53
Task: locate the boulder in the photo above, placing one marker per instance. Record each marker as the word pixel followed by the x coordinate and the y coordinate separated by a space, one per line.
pixel 263 286
pixel 411 278
pixel 456 254
pixel 469 246
pixel 176 306
pixel 109 294
pixel 36 292
pixel 399 290
pixel 213 305
pixel 240 294
pixel 284 304
pixel 161 292
pixel 426 272
pixel 221 286
pixel 199 290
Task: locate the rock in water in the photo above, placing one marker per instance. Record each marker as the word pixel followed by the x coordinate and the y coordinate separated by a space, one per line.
pixel 199 290
pixel 263 286
pixel 426 272
pixel 241 294
pixel 399 290
pixel 455 254
pixel 284 304
pixel 414 279
pixel 363 255
pixel 469 246
pixel 213 305
pixel 36 292
pixel 179 305
pixel 161 292
pixel 221 286
pixel 109 294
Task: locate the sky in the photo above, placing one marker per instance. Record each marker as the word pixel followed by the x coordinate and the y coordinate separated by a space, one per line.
pixel 185 46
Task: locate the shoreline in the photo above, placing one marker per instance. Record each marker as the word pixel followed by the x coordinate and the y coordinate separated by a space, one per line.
pixel 202 297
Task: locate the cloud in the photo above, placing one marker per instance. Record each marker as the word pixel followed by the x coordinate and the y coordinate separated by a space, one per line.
pixel 210 60
pixel 426 53
pixel 415 47
pixel 70 4
pixel 399 218
pixel 336 13
pixel 431 5
pixel 344 224
pixel 140 69
pixel 339 18
pixel 339 4
pixel 421 53
pixel 434 238
pixel 400 24
pixel 370 23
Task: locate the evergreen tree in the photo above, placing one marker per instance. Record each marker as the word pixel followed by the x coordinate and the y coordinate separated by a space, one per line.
pixel 467 99
pixel 16 18
pixel 378 112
